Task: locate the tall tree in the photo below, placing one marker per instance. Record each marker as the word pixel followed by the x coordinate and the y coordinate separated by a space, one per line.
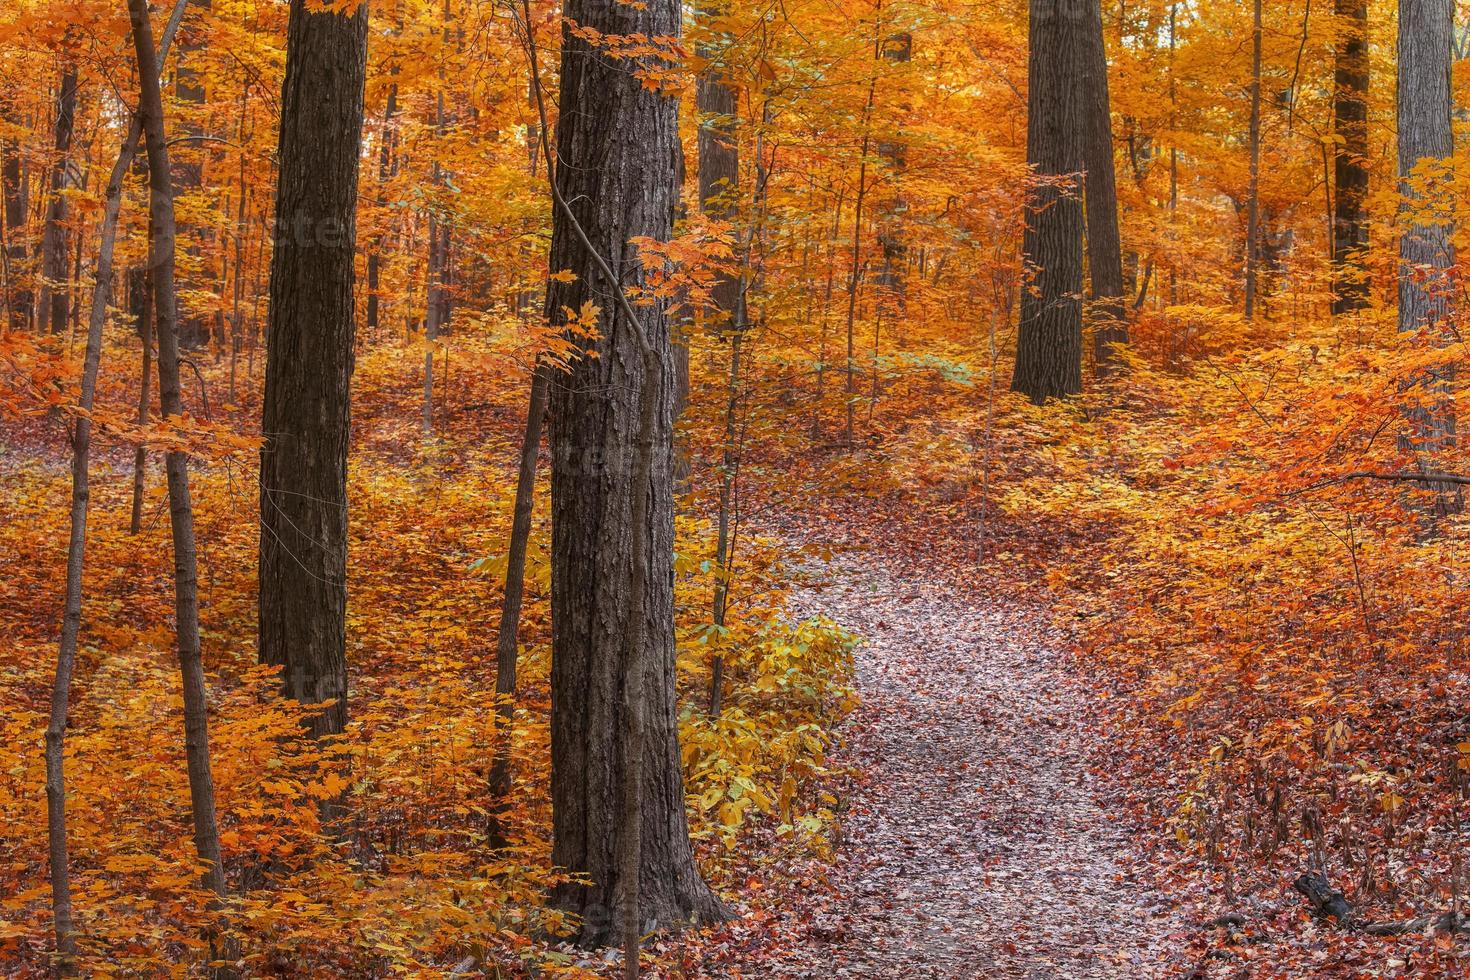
pixel 188 176
pixel 307 412
pixel 55 295
pixel 1049 346
pixel 718 105
pixel 612 665
pixel 81 479
pixel 1350 118
pixel 385 171
pixel 1104 244
pixel 1253 201
pixel 18 299
pixel 180 501
pixel 1426 251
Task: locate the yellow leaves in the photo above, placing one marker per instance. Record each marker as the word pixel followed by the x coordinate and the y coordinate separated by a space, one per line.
pixel 330 787
pixel 131 863
pixel 564 276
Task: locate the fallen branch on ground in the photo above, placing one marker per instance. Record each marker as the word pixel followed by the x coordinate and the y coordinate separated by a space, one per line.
pixel 1329 903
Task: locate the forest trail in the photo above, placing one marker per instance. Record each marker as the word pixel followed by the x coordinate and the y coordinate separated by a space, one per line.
pixel 975 844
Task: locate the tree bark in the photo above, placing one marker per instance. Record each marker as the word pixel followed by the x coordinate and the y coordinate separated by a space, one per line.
pixel 1104 244
pixel 181 507
pixel 1253 202
pixel 71 622
pixel 55 297
pixel 18 297
pixel 718 105
pixel 1350 117
pixel 507 647
pixel 1425 134
pixel 310 358
pixel 1049 344
pixel 897 49
pixel 188 175
pixel 385 170
pixel 1426 250
pixel 621 146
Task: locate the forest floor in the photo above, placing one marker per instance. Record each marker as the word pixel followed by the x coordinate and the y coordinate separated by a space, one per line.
pixel 976 841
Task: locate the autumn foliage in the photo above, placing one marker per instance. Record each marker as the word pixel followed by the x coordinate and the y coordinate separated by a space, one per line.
pixel 1250 534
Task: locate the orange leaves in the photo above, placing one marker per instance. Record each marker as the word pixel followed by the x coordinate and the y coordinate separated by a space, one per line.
pixel 661 58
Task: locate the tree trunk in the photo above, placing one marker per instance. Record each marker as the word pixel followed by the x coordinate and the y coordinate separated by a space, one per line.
pixel 855 266
pixel 71 623
pixel 1253 202
pixel 507 645
pixel 55 298
pixel 1426 251
pixel 188 175
pixel 608 116
pixel 1104 245
pixel 309 362
pixel 1425 134
pixel 1049 344
pixel 385 168
pixel 718 105
pixel 724 544
pixel 1350 115
pixel 181 507
pixel 898 49
pixel 17 297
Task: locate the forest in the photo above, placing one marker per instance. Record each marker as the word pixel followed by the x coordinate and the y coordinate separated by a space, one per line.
pixel 778 489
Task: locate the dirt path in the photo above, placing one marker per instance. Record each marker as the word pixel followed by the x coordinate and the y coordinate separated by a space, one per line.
pixel 975 847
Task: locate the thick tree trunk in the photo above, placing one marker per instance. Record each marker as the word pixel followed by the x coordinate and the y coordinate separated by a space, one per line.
pixel 1426 251
pixel 1425 134
pixel 181 507
pixel 609 117
pixel 1104 245
pixel 1350 116
pixel 307 412
pixel 1049 345
pixel 55 297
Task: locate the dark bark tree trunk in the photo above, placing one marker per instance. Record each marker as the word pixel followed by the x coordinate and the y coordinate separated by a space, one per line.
pixel 1350 116
pixel 1426 250
pixel 55 297
pixel 507 647
pixel 181 507
pixel 1104 245
pixel 631 133
pixel 188 175
pixel 1049 344
pixel 307 412
pixel 718 105
pixel 17 252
